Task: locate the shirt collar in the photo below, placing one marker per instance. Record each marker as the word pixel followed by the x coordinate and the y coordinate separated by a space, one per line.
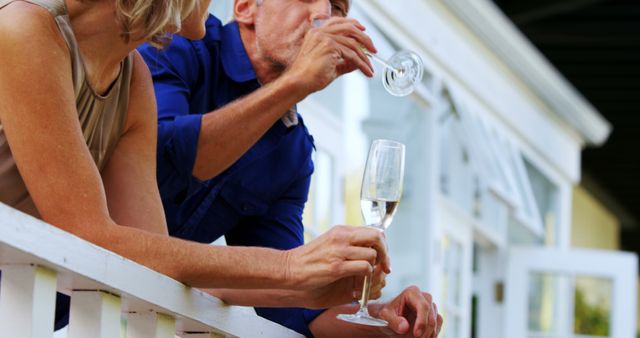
pixel 237 65
pixel 235 61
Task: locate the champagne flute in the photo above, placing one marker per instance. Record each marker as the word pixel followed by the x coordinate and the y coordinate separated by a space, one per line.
pixel 379 198
pixel 402 71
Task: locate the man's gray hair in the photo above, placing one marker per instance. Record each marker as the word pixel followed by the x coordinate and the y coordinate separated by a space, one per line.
pixel 259 2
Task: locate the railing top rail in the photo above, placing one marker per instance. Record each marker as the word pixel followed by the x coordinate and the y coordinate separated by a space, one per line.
pixel 83 265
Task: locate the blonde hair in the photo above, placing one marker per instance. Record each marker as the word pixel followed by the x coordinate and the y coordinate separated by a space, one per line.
pixel 152 20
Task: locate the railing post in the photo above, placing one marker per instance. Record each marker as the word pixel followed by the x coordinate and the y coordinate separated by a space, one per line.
pixel 27 301
pixel 95 314
pixel 150 325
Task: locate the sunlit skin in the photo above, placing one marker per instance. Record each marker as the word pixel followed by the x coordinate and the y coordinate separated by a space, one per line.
pixel 118 207
pixel 274 40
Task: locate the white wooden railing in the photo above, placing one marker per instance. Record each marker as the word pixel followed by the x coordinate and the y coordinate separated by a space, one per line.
pixel 38 259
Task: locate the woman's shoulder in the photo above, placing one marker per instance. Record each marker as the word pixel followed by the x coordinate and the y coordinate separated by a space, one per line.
pixel 141 96
pixel 23 22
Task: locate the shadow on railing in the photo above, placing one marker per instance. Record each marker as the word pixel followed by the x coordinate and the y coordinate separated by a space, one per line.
pixel 38 259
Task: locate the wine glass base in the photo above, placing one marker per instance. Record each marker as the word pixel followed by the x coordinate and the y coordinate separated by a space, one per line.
pixel 363 320
pixel 407 72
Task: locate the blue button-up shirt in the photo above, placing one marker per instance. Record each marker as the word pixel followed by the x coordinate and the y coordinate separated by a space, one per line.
pixel 259 200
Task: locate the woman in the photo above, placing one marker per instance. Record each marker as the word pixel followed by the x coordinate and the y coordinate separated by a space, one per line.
pixel 77 149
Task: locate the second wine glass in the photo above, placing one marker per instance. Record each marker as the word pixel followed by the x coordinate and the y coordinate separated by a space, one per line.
pixel 379 198
pixel 402 71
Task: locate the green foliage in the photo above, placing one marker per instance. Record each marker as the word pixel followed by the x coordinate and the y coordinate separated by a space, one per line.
pixel 590 319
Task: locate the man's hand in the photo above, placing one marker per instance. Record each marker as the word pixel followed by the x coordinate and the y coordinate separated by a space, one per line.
pixel 328 51
pixel 342 252
pixel 411 314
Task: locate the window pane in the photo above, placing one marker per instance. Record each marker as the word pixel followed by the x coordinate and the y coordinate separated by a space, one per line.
pixel 318 212
pixel 324 191
pixel 544 297
pixel 452 272
pixel 222 9
pixel 451 327
pixel 545 194
pixel 592 306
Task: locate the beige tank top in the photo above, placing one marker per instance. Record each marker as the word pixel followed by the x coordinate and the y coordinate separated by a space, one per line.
pixel 102 117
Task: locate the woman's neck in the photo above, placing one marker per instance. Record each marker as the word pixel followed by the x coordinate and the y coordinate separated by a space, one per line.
pixel 99 39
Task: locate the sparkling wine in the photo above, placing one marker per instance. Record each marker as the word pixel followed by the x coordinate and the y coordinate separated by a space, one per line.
pixel 378 213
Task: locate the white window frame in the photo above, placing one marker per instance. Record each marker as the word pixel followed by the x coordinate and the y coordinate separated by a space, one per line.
pixel 458 227
pixel 620 268
pixel 326 130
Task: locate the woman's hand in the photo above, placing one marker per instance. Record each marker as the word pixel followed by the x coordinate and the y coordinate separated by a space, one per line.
pixel 341 252
pixel 343 291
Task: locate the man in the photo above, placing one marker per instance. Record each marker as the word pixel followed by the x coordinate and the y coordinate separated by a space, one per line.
pixel 234 158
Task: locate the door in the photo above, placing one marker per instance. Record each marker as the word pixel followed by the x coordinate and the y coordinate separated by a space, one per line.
pixel 455 289
pixel 554 293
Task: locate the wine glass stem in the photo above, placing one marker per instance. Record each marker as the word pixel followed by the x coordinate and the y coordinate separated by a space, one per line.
pixel 376 58
pixel 366 290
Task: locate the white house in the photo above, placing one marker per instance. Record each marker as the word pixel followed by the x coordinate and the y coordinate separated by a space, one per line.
pixel 494 138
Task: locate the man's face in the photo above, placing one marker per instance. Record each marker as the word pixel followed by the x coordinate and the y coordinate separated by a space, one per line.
pixel 281 25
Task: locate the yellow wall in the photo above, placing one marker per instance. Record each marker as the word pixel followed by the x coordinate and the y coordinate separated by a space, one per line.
pixel 593 225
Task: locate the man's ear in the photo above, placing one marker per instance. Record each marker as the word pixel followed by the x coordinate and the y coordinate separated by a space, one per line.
pixel 244 11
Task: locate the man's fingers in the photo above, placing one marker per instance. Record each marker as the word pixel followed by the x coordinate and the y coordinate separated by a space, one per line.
pixel 438 320
pixel 354 60
pixel 387 265
pixel 354 46
pixel 350 27
pixel 397 323
pixel 421 303
pixel 351 32
pixel 432 325
pixel 339 20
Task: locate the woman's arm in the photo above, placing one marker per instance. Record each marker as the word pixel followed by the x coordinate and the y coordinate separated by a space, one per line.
pixel 130 175
pixel 41 123
pixel 40 120
pixel 343 291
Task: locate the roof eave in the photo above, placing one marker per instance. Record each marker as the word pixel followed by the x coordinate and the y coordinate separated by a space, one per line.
pixel 510 45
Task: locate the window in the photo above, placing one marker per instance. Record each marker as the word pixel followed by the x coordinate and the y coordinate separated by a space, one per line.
pixel 546 196
pixel 483 171
pixel 318 212
pixel 222 10
pixel 452 288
